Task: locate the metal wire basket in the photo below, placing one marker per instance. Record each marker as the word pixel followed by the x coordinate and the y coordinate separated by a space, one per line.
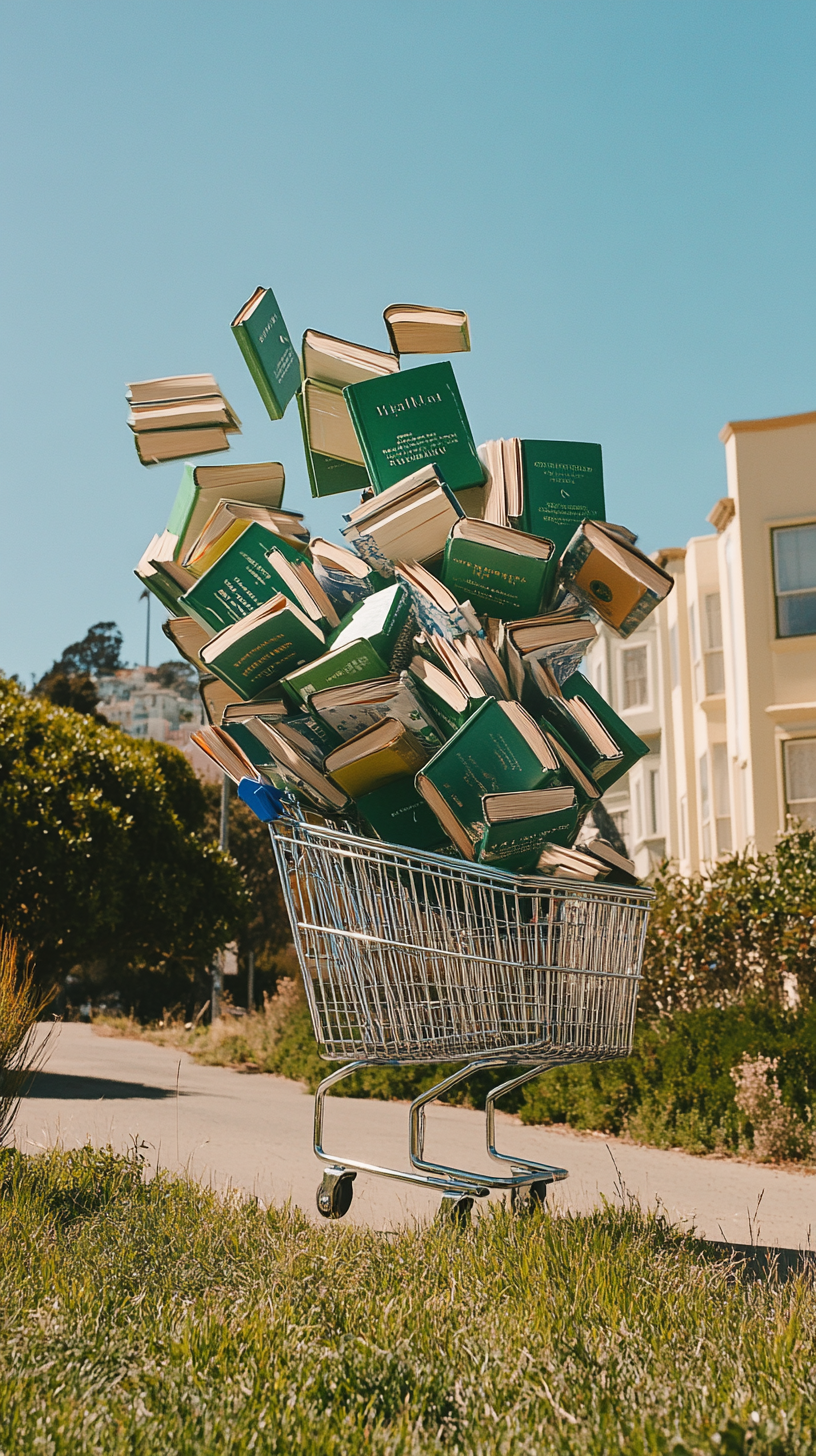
pixel 412 957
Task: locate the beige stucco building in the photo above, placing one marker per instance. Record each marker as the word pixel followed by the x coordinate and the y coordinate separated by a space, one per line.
pixel 721 680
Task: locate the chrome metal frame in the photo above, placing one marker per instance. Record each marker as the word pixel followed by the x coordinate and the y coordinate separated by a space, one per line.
pixel 409 957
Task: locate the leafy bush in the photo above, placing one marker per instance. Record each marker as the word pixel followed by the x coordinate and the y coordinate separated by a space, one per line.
pixel 747 929
pixel 105 863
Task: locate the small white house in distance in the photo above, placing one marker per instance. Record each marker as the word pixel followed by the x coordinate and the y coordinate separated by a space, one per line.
pixel 720 681
pixel 134 701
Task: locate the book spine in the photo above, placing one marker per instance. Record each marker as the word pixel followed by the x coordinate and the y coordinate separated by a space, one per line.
pixel 255 368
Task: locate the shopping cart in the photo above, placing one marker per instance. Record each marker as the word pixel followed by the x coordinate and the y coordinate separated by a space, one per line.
pixel 411 957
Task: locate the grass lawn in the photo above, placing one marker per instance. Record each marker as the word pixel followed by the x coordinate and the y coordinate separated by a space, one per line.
pixel 156 1317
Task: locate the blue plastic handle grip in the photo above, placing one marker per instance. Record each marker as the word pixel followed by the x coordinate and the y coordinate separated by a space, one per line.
pixel 265 801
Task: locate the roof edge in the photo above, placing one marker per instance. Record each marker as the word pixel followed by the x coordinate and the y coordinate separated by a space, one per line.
pixel 778 422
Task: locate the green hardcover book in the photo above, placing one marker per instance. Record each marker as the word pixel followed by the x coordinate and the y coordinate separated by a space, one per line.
pixel 502 572
pixel 499 750
pixel 603 567
pixel 398 814
pixel 411 419
pixel 354 662
pixel 446 701
pixel 328 476
pixel 202 486
pixel 256 652
pixel 240 580
pixel 517 844
pixel 249 744
pixel 387 621
pixel 264 341
pixel 562 486
pixel 598 719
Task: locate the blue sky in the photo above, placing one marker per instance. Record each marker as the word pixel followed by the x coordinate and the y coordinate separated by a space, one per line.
pixel 620 194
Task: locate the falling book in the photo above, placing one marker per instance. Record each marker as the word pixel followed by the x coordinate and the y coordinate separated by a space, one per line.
pixel 409 521
pixel 188 637
pixel 158 571
pixel 498 750
pixel 354 663
pixel 241 579
pixel 259 650
pixel 179 415
pixel 344 576
pixel 447 702
pixel 228 521
pixel 354 706
pixel 263 338
pixel 504 573
pixel 622 869
pixel 398 814
pixel 327 426
pixel 307 734
pixel 227 753
pixel 294 771
pixel 216 697
pixel 559 640
pixel 613 577
pixel 375 758
pixel 471 662
pixel 386 621
pixel 335 361
pixel 414 328
pixel 546 487
pixel 411 419
pixel 328 474
pixel 435 608
pixel 621 746
pixel 204 486
pixel 520 825
pixel 560 863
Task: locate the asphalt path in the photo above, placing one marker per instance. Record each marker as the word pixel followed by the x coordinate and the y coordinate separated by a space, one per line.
pixel 229 1129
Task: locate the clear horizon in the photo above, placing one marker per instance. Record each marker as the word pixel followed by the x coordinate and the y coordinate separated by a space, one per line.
pixel 620 196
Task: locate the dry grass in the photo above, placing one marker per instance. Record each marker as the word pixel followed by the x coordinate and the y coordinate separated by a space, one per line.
pixel 21 1003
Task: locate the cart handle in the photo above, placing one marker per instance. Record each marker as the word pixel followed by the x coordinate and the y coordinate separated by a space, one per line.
pixel 265 801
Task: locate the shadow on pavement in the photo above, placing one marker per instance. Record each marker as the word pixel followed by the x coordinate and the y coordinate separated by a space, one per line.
pixel 57 1086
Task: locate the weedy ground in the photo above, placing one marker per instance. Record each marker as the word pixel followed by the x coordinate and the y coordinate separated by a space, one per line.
pixel 154 1317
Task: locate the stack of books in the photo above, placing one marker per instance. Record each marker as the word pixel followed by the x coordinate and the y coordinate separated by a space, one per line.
pixel 183 415
pixel 422 679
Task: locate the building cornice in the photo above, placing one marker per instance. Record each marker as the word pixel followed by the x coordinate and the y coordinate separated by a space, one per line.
pixel 779 422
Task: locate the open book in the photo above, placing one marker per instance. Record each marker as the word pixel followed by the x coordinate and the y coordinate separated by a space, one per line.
pixel 409 521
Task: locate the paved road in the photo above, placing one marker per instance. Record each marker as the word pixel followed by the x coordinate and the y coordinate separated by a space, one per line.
pixel 254 1133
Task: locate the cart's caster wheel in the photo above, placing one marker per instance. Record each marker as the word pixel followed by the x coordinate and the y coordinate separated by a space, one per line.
pixel 528 1198
pixel 335 1192
pixel 455 1209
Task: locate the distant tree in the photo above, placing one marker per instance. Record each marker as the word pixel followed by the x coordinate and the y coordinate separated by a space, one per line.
pixel 179 676
pixel 70 680
pixel 107 869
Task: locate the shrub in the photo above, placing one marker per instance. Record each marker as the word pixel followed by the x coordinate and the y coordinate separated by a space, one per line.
pixel 747 929
pixel 106 868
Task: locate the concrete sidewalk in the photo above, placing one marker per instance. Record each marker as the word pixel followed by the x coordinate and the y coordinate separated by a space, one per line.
pixel 227 1128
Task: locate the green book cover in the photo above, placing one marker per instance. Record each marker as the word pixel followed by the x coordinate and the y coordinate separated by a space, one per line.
pixel 167 591
pixel 328 476
pixel 554 715
pixel 517 844
pixel 411 419
pixel 249 744
pixel 440 709
pixel 264 341
pixel 497 583
pixel 355 662
pixel 398 814
pixel 563 486
pixel 488 755
pixel 261 655
pixel 386 620
pixel 632 747
pixel 240 580
pixel 183 505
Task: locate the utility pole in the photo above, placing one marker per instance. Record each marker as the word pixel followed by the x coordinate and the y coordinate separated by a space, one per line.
pixel 223 841
pixel 145 597
pixel 251 981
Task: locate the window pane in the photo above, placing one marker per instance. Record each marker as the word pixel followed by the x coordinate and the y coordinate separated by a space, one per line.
pixel 795 558
pixel 635 682
pixel 704 805
pixel 800 769
pixel 722 796
pixel 723 836
pixel 713 621
pixel 797 614
pixel 714 673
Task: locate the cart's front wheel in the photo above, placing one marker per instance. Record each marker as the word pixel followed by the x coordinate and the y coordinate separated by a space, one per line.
pixel 529 1197
pixel 334 1194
